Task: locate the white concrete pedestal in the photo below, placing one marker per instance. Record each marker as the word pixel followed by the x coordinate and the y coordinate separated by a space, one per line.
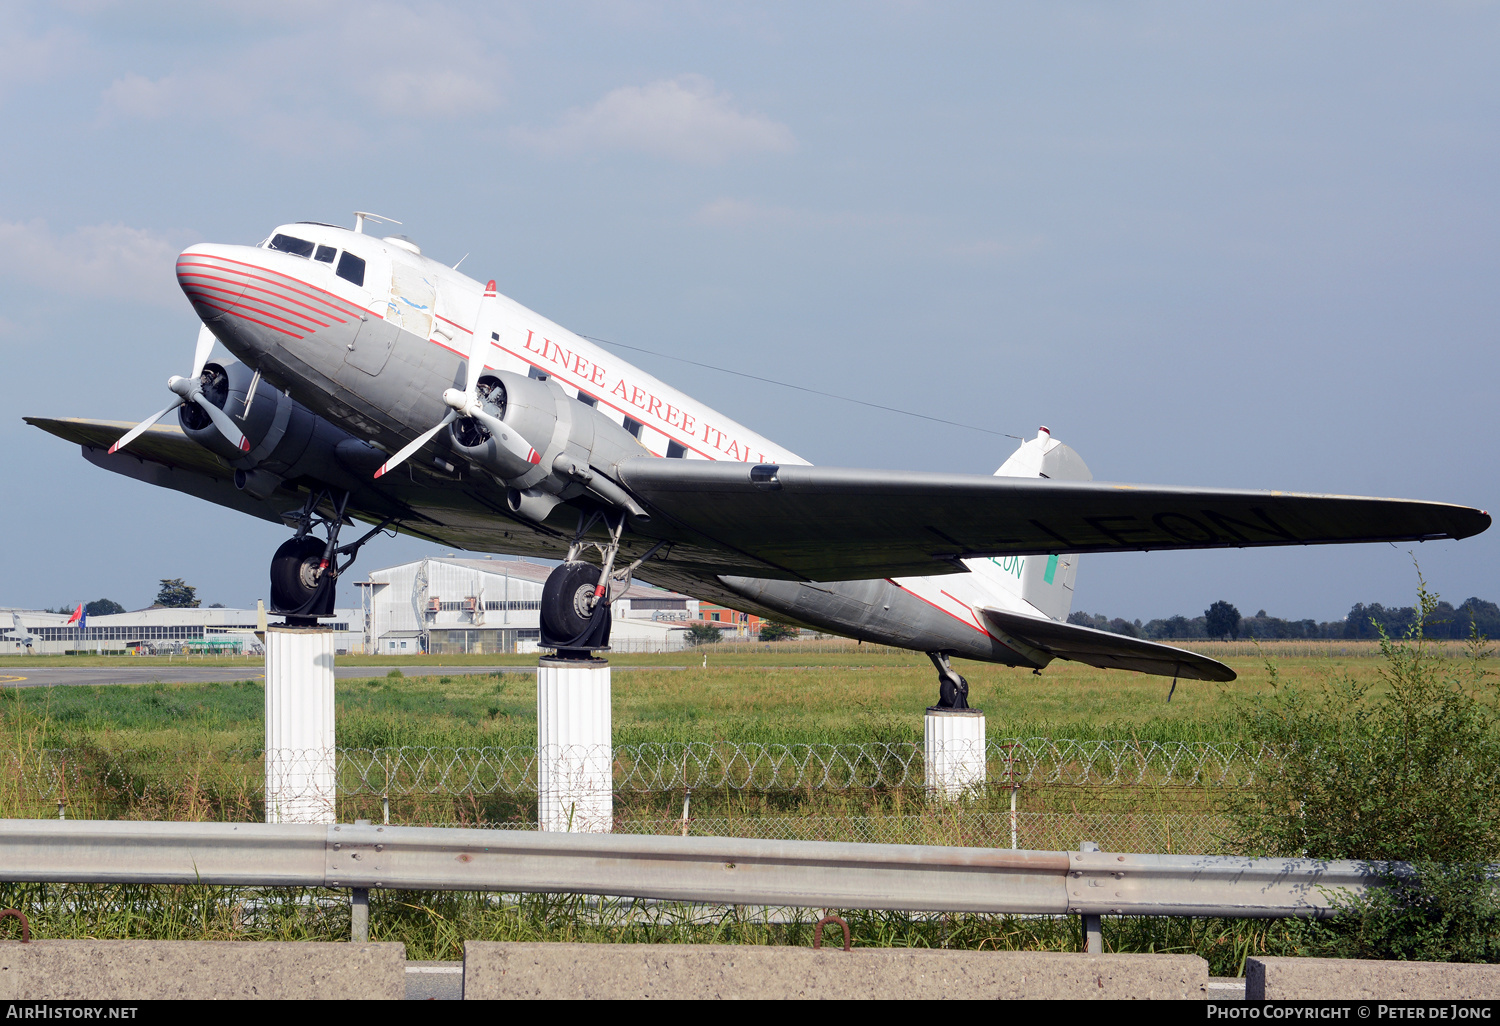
pixel 953 752
pixel 574 742
pixel 300 778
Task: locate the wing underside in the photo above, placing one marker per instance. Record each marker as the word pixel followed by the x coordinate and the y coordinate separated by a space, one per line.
pixel 811 523
pixel 828 524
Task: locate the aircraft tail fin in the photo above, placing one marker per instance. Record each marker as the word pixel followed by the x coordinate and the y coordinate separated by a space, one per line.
pixel 1045 582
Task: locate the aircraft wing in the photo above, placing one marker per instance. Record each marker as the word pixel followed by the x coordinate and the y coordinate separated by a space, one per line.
pixel 1104 649
pixel 163 456
pixel 830 524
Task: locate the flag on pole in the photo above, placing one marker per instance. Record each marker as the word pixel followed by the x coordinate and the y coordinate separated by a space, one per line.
pixel 81 618
pixel 77 615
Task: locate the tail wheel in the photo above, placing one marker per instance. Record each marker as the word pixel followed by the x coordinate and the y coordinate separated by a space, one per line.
pixel 296 574
pixel 566 598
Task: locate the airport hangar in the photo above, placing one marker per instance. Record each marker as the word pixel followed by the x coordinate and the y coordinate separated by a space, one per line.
pixel 441 604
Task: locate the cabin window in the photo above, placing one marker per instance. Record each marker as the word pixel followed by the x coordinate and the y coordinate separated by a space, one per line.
pixel 325 254
pixel 587 399
pixel 352 268
pixel 535 375
pixel 633 426
pixel 676 450
pixel 291 244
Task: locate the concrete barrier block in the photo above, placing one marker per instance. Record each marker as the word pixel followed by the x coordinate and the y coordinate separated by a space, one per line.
pixel 128 970
pixel 1360 979
pixel 725 971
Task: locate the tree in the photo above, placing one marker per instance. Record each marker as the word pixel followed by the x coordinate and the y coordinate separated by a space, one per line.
pixel 1221 620
pixel 103 607
pixel 703 634
pixel 774 630
pixel 177 594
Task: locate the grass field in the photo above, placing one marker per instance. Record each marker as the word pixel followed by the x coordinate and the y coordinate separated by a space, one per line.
pixel 789 694
pixel 749 696
pixel 190 750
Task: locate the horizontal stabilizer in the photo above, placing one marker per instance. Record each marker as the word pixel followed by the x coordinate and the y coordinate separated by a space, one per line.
pixel 1103 649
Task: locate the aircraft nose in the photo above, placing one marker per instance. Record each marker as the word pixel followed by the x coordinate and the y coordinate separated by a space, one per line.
pixel 264 295
pixel 213 280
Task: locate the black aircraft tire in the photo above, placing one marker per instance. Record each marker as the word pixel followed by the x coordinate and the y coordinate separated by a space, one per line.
pixel 290 589
pixel 953 694
pixel 563 597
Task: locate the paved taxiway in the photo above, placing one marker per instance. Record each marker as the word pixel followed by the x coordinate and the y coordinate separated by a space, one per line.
pixel 186 673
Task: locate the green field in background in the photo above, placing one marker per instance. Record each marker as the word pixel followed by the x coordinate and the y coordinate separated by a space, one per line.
pixel 749 697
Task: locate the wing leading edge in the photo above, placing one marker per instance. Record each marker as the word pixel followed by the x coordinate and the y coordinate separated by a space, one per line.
pixel 830 523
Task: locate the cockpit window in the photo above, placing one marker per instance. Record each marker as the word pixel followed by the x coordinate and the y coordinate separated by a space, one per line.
pixel 325 254
pixel 352 268
pixel 293 245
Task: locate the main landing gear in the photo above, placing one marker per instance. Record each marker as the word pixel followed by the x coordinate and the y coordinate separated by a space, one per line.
pixel 305 569
pixel 575 613
pixel 953 690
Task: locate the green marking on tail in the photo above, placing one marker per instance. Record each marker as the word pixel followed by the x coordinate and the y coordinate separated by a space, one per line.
pixel 1051 568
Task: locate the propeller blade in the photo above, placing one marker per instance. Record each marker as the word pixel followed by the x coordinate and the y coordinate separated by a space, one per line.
pixel 508 437
pixel 200 355
pixel 479 342
pixel 415 444
pixel 140 428
pixel 221 421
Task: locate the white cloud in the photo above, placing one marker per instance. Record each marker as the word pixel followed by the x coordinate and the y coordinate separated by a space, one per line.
pixel 140 97
pixel 907 233
pixel 303 84
pixel 682 118
pixel 728 212
pixel 26 58
pixel 112 260
pixel 435 94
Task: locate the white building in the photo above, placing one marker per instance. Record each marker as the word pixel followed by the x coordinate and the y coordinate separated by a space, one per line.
pixel 449 606
pixel 155 630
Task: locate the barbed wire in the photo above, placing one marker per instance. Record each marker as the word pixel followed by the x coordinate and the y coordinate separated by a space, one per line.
pixel 47 774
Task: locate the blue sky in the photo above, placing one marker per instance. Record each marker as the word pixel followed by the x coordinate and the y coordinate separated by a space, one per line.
pixel 1247 245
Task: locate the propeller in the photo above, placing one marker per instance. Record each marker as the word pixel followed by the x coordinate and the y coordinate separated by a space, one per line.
pixel 190 390
pixel 466 402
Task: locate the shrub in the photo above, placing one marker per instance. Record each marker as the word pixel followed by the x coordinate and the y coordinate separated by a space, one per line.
pixel 1405 768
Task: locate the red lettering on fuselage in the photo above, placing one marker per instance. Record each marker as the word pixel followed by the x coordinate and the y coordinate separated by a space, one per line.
pixel 556 353
pixel 654 406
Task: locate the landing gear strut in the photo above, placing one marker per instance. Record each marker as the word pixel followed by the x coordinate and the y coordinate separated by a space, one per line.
pixel 575 613
pixel 305 569
pixel 953 690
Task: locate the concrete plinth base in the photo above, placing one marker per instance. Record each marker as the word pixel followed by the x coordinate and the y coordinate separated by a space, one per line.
pixel 732 972
pixel 953 751
pixel 575 753
pixel 300 777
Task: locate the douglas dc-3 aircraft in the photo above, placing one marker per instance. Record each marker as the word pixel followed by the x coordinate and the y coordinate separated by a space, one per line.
pixel 375 384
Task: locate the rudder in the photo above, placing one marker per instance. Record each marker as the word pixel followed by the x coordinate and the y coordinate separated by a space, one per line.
pixel 1046 582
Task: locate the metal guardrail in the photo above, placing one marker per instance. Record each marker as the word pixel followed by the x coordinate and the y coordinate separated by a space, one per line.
pixel 692 869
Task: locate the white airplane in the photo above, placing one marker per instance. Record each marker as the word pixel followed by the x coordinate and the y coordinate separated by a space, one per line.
pixel 18 632
pixel 375 384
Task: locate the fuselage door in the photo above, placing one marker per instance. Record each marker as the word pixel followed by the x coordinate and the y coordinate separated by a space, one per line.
pixel 412 296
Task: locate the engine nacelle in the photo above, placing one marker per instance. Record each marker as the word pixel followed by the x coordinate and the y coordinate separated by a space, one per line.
pixel 287 440
pixel 569 440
